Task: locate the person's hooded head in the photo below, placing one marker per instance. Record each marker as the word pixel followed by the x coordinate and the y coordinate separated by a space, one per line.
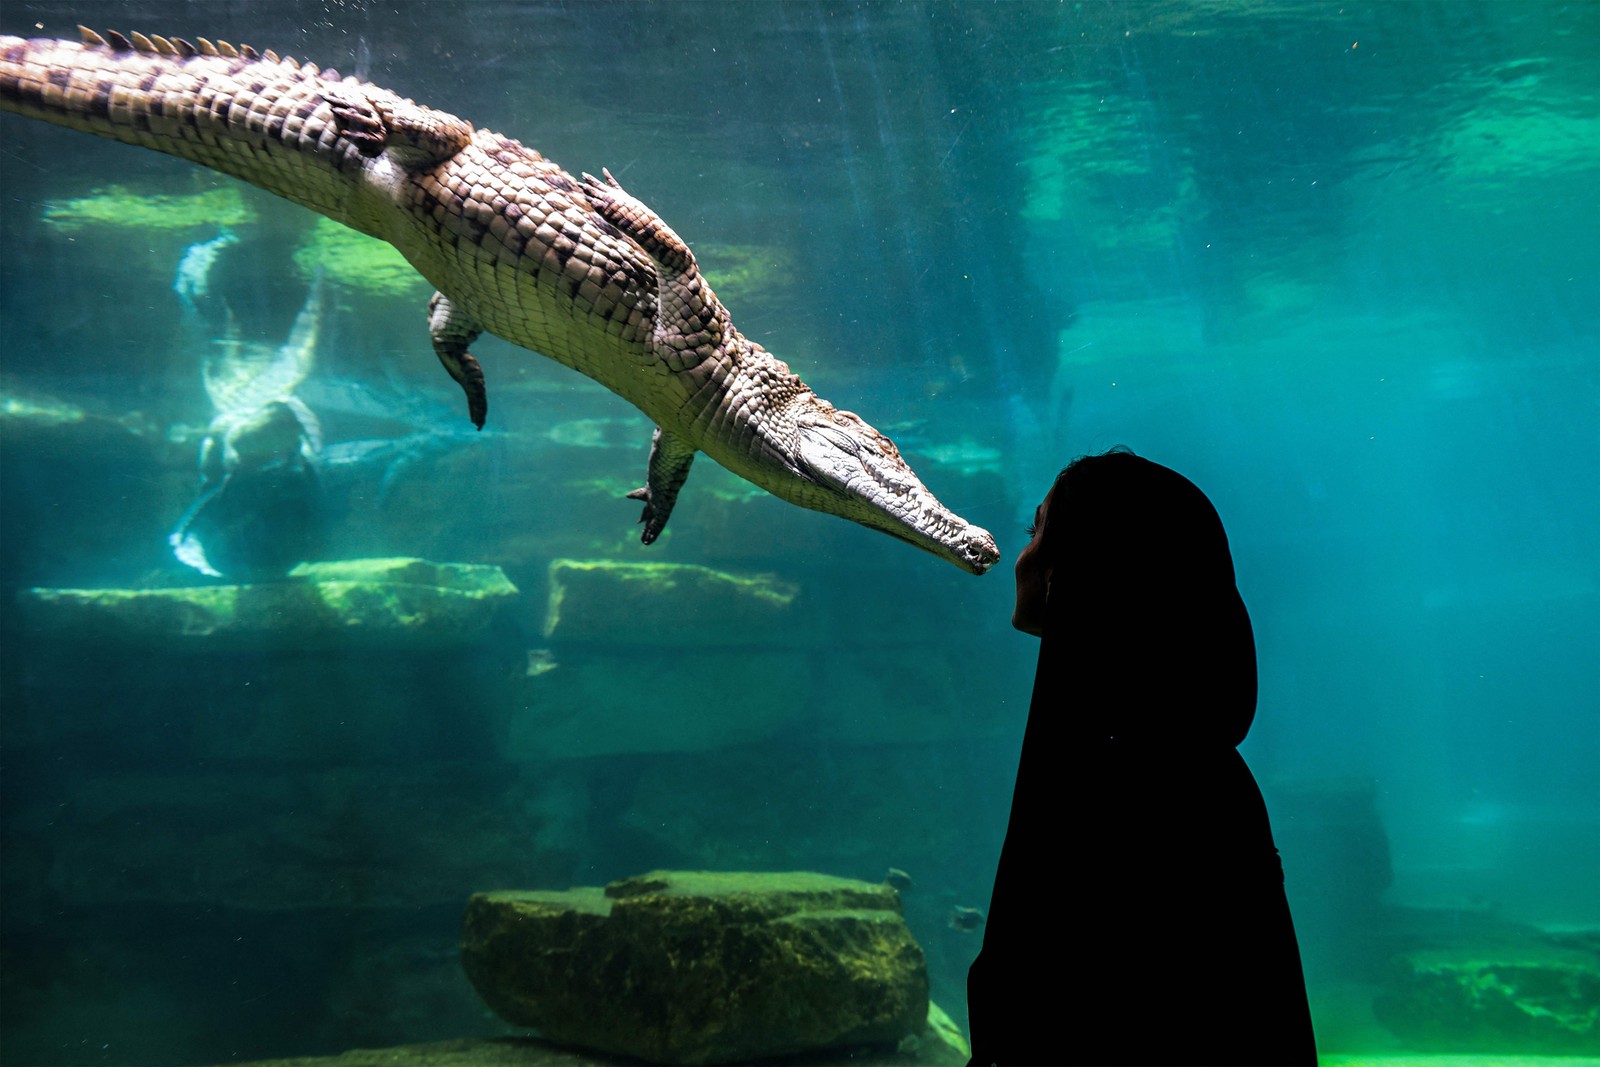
pixel 1130 584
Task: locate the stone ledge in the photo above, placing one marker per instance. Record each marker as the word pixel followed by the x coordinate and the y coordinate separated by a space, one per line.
pixel 375 601
pixel 939 1045
pixel 667 605
pixel 600 704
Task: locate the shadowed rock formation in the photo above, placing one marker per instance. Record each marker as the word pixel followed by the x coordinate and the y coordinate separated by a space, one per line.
pixel 701 967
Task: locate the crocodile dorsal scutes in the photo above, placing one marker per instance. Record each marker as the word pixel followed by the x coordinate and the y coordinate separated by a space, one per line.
pixel 574 269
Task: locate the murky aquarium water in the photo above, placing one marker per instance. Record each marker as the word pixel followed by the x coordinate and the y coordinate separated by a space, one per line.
pixel 296 660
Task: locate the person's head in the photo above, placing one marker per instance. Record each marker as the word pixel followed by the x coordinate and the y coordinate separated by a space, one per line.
pixel 1128 574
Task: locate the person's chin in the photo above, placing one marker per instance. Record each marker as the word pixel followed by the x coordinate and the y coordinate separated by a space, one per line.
pixel 1026 625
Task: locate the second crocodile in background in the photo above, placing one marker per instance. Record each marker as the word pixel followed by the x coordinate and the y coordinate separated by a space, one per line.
pixel 571 268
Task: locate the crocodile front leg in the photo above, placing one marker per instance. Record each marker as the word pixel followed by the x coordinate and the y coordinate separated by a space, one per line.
pixel 670 457
pixel 691 324
pixel 689 329
pixel 452 331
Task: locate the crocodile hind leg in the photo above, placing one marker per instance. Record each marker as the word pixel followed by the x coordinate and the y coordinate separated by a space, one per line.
pixel 670 457
pixel 452 331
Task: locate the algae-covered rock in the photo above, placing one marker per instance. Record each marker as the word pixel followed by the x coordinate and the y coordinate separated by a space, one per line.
pixel 475 579
pixel 26 417
pixel 1528 998
pixel 383 601
pixel 122 207
pixel 940 1045
pixel 25 413
pixel 662 604
pixel 743 274
pixel 701 967
pixel 357 261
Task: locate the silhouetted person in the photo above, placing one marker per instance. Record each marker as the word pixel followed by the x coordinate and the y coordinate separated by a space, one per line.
pixel 1138 914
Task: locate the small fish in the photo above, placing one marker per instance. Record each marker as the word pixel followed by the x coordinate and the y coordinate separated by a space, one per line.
pixel 897 878
pixel 965 919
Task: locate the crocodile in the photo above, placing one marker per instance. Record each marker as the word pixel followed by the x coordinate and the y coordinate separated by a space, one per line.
pixel 258 505
pixel 571 267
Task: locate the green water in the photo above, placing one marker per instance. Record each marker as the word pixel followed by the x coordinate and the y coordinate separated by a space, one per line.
pixel 1337 263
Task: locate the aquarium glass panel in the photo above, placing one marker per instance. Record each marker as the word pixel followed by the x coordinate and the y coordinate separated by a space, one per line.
pixel 295 658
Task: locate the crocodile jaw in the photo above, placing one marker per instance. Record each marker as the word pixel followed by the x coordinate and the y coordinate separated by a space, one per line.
pixel 862 478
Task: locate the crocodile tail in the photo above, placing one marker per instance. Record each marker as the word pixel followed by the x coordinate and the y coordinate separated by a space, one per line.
pixel 297 131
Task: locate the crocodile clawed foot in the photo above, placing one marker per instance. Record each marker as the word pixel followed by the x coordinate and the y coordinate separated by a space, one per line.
pixel 452 332
pixel 653 523
pixel 465 369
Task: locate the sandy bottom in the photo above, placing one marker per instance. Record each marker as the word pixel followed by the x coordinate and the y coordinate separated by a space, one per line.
pixel 1415 1059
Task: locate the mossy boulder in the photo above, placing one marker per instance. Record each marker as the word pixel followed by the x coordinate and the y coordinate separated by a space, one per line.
pixel 122 207
pixel 659 604
pixel 384 601
pixel 694 967
pixel 1530 997
pixel 355 260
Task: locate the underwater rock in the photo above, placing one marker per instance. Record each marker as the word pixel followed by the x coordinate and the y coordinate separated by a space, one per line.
pixel 605 704
pixel 1527 996
pixel 660 604
pixel 745 274
pixel 695 967
pixel 384 601
pixel 187 703
pixel 476 578
pixel 914 697
pixel 846 809
pixel 941 1044
pixel 122 207
pixel 98 530
pixel 25 413
pixel 357 261
pixel 358 841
